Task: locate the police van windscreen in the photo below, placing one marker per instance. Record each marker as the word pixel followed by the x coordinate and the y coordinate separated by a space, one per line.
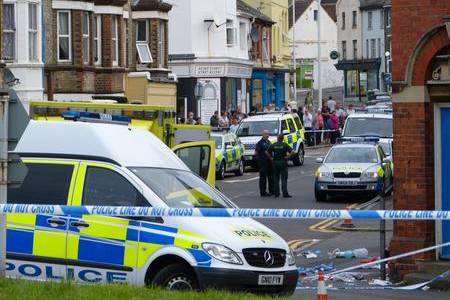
pixel 218 141
pixel 381 127
pixel 179 188
pixel 352 155
pixel 255 128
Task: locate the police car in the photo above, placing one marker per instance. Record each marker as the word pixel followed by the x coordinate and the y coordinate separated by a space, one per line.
pixel 354 166
pixel 229 154
pixel 370 122
pixel 288 124
pixel 80 163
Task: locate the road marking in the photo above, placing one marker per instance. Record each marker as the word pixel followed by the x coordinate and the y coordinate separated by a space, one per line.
pixel 324 226
pixel 302 244
pixel 242 180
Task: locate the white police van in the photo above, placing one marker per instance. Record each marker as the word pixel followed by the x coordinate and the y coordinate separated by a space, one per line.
pixel 79 163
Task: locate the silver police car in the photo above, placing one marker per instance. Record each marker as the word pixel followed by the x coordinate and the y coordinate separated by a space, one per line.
pixel 354 165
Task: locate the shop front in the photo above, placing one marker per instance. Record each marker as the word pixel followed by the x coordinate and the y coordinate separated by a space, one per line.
pixel 267 86
pixel 360 76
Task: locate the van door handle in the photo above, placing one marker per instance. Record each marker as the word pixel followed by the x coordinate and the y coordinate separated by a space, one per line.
pixel 56 221
pixel 79 224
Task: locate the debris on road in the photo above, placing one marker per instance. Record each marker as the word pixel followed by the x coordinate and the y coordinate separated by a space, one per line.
pixel 380 282
pixel 356 253
pixel 313 270
pixel 311 254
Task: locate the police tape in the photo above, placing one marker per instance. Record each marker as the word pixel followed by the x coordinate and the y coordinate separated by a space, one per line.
pixel 263 213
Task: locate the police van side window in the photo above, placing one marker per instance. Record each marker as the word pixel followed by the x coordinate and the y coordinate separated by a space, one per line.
pixel 284 126
pixel 291 125
pixel 106 187
pixel 43 184
pixel 298 122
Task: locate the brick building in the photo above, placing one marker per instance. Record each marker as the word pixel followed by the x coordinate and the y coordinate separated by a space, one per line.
pixel 106 48
pixel 421 93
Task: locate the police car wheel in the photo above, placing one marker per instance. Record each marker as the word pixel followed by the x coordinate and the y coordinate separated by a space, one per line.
pixel 320 196
pixel 240 169
pixel 176 277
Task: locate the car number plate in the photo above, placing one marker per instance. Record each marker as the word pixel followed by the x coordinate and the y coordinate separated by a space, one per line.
pixel 270 280
pixel 347 182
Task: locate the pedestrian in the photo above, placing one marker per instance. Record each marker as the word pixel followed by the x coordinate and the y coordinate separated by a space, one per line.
pixel 223 120
pixel 279 153
pixel 234 125
pixel 341 115
pixel 331 103
pixel 326 119
pixel 190 119
pixel 214 121
pixel 334 125
pixel 319 126
pixel 308 123
pixel 287 107
pixel 198 121
pixel 264 165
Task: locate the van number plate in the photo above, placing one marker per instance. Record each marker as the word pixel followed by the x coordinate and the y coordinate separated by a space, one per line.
pixel 270 280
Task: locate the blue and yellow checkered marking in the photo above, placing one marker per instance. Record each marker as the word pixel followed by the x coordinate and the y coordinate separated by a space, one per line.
pixel 108 240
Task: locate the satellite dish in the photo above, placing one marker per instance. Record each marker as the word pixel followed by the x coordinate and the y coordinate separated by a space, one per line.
pixel 254 34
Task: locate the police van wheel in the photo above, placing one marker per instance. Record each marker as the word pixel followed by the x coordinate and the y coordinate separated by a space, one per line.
pixel 176 277
pixel 240 169
pixel 221 171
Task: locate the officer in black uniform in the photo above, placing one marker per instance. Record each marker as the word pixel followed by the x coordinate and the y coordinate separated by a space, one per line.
pixel 265 165
pixel 280 152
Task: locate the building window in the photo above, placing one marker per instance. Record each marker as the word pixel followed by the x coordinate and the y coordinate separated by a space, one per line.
pixel 114 42
pixel 343 20
pixel 373 48
pixel 367 49
pixel 9 32
pixel 97 39
pixel 141 31
pixel 355 49
pixel 162 44
pixel 369 20
pixel 354 19
pixel 64 36
pixel 265 45
pixel 379 47
pixel 344 49
pixel 316 13
pixel 388 18
pixel 243 36
pixel 86 38
pixel 381 19
pixel 32 32
pixel 231 32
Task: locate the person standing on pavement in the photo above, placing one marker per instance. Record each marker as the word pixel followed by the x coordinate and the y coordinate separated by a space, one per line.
pixel 190 119
pixel 308 123
pixel 214 121
pixel 265 165
pixel 279 153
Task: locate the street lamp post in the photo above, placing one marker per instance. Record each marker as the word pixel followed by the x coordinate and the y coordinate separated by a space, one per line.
pixel 294 62
pixel 319 54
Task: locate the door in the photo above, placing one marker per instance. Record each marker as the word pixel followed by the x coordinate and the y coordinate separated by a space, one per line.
pixel 102 248
pixel 445 177
pixel 36 243
pixel 200 158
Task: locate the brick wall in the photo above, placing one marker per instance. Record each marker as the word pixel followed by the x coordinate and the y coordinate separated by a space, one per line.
pixel 76 76
pixel 413 149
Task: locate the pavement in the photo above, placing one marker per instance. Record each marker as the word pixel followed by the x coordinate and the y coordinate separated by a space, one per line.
pixel 322 236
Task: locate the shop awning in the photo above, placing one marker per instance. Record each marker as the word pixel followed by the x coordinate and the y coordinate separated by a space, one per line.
pixel 359 64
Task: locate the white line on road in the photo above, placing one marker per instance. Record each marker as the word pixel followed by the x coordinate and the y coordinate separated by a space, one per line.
pixel 242 180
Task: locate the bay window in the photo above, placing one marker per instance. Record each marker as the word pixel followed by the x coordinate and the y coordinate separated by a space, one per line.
pixel 9 32
pixel 85 29
pixel 114 40
pixel 97 39
pixel 32 32
pixel 64 36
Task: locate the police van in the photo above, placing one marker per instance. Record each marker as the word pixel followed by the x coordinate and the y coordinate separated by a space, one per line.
pixel 81 163
pixel 286 123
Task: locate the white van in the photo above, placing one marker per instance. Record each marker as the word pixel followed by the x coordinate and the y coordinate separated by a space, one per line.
pixel 78 163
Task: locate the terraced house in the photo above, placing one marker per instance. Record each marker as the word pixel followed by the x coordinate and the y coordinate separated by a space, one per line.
pixel 91 46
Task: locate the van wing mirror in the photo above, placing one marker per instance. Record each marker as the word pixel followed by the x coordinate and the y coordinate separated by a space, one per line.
pixel 319 160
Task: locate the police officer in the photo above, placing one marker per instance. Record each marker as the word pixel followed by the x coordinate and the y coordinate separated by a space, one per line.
pixel 279 153
pixel 265 165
